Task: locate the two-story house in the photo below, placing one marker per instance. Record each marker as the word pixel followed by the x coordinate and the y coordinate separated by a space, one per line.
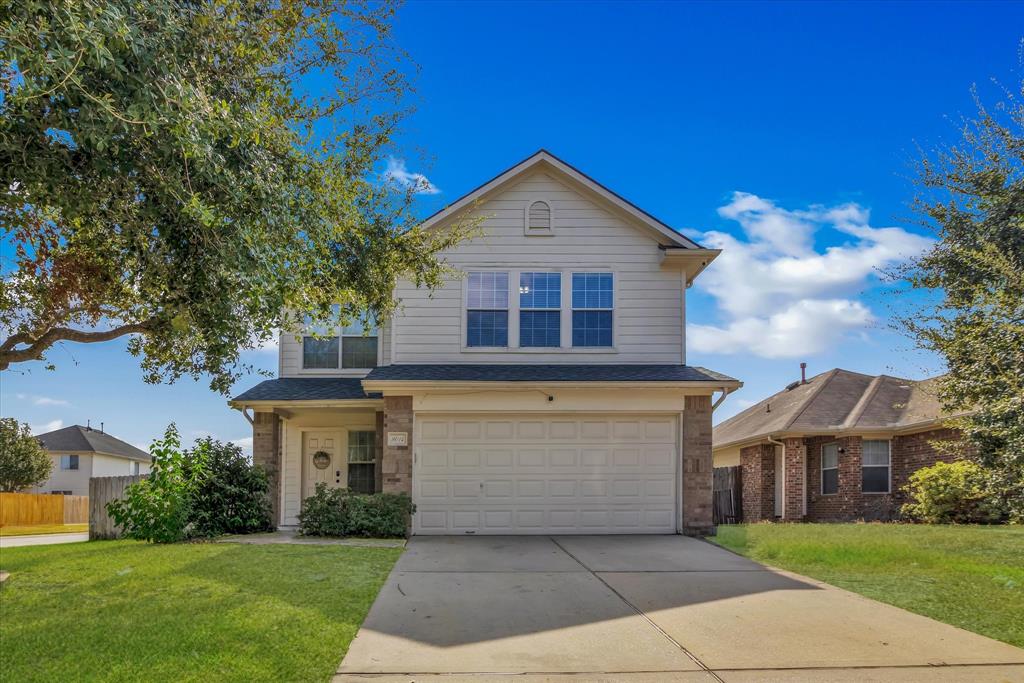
pixel 543 390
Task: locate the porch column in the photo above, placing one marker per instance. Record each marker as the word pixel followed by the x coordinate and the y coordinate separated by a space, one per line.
pixel 266 452
pixel 378 452
pixel 795 463
pixel 697 467
pixel 758 463
pixel 396 460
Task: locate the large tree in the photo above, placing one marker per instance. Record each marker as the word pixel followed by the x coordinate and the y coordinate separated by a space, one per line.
pixel 972 195
pixel 23 461
pixel 167 175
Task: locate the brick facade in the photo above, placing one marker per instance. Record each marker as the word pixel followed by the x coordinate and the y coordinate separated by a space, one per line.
pixel 758 463
pixel 908 454
pixel 266 452
pixel 396 461
pixel 697 467
pixel 794 459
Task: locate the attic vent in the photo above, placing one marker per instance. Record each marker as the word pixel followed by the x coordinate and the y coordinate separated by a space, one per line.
pixel 538 218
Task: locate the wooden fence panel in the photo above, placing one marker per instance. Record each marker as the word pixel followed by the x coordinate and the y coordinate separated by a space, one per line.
pixel 24 509
pixel 76 509
pixel 102 490
pixel 727 495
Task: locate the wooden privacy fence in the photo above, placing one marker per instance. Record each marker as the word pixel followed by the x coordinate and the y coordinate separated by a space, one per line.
pixel 727 495
pixel 102 490
pixel 27 509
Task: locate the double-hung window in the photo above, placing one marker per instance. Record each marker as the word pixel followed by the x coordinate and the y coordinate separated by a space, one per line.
pixel 361 446
pixel 355 347
pixel 487 309
pixel 592 307
pixel 69 462
pixel 830 468
pixel 359 345
pixel 540 309
pixel 874 462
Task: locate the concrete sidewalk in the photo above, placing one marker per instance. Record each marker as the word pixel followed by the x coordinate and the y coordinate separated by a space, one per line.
pixel 642 608
pixel 43 539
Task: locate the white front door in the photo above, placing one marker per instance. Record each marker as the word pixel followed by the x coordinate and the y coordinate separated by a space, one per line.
pixel 323 460
pixel 533 474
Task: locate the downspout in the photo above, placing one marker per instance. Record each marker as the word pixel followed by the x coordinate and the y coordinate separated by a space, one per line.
pixel 246 415
pixel 803 503
pixel 725 392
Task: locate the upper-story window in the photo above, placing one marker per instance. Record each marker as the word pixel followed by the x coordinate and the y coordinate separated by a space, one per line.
pixel 354 348
pixel 538 218
pixel 592 309
pixel 69 462
pixel 487 309
pixel 540 309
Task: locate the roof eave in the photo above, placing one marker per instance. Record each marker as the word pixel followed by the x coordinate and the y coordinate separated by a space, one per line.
pixel 307 403
pixel 392 385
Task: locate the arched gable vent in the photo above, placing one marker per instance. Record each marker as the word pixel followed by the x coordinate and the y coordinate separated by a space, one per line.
pixel 538 217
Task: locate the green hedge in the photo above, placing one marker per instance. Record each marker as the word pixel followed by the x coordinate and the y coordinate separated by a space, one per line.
pixel 336 512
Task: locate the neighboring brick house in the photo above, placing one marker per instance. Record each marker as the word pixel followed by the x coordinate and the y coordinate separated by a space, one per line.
pixel 836 447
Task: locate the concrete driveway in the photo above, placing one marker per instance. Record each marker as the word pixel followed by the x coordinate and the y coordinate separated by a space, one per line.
pixel 642 608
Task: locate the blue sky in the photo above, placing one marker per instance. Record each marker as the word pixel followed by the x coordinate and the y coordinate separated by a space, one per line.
pixel 782 132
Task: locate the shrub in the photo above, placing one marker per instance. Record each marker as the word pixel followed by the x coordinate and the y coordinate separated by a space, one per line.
pixel 157 508
pixel 336 512
pixel 231 497
pixel 951 493
pixel 23 461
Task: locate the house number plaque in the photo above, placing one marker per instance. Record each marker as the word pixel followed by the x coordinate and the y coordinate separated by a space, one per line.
pixel 398 439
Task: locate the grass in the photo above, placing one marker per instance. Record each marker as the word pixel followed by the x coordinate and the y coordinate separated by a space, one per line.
pixel 30 530
pixel 968 576
pixel 130 611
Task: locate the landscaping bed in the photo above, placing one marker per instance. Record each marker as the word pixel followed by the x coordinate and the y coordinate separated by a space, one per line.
pixel 127 611
pixel 968 576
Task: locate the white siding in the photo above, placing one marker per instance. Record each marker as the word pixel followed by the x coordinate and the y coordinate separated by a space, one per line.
pixel 109 466
pixel 648 298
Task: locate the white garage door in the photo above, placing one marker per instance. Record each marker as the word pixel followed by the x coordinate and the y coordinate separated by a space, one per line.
pixel 562 474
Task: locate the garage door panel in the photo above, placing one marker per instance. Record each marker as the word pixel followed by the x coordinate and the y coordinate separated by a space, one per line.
pixel 545 475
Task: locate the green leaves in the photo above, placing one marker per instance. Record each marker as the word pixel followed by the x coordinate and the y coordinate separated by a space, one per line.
pixel 23 461
pixel 194 190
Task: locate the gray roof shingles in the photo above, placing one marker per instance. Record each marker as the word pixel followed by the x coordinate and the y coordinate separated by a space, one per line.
pixel 306 389
pixel 79 438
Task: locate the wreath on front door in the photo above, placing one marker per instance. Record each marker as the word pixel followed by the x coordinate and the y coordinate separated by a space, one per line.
pixel 322 460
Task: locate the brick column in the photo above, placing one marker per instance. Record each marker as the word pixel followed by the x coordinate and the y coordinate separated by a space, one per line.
pixel 758 463
pixel 794 458
pixel 378 452
pixel 266 452
pixel 697 467
pixel 396 461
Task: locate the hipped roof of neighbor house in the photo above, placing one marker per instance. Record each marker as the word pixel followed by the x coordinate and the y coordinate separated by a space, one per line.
pixel 837 401
pixel 78 439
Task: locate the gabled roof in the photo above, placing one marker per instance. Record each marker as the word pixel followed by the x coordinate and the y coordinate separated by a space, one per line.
pixel 459 372
pixel 836 401
pixel 543 158
pixel 85 439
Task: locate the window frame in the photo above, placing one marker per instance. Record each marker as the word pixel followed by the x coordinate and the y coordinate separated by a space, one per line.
pixel 888 466
pixel 540 309
pixel 340 333
pixel 71 458
pixel 508 309
pixel 588 309
pixel 822 468
pixel 372 462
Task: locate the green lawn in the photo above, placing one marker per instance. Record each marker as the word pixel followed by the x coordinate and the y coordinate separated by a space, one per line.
pixel 128 611
pixel 968 576
pixel 32 530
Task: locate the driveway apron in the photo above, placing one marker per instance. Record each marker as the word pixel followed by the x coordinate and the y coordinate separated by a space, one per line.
pixel 641 608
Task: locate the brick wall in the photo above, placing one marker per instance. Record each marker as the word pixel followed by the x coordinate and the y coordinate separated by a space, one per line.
pixel 794 458
pixel 266 452
pixel 914 451
pixel 758 463
pixel 396 461
pixel 697 467
pixel 378 453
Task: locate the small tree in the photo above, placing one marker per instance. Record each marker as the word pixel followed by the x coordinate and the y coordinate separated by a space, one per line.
pixel 972 196
pixel 231 497
pixel 157 508
pixel 23 460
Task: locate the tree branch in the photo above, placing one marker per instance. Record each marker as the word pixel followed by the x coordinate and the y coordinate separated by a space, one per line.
pixel 39 345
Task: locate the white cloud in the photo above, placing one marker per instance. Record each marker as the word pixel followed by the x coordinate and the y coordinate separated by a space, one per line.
pixel 50 426
pixel 781 296
pixel 397 173
pixel 245 444
pixel 42 400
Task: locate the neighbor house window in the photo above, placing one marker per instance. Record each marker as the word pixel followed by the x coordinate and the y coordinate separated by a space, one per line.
pixel 540 309
pixel 361 447
pixel 830 468
pixel 487 309
pixel 874 467
pixel 135 468
pixel 592 305
pixel 69 462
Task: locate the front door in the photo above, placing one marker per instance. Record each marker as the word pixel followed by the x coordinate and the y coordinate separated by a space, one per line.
pixel 323 460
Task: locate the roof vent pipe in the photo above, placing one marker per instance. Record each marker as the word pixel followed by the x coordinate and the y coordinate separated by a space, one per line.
pixel 101 428
pixel 88 425
pixel 803 373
